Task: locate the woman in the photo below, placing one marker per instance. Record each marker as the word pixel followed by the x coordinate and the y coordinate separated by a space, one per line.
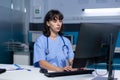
pixel 52 51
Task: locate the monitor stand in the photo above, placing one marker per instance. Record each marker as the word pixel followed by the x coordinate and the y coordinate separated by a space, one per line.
pixel 103 78
pixel 110 63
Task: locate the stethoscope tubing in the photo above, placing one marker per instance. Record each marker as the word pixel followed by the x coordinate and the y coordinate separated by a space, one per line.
pixel 63 47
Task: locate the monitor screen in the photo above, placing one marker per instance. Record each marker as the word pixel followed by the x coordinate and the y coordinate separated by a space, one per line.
pixel 94 43
pixel 70 37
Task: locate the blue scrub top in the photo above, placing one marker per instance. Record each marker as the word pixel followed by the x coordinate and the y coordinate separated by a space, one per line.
pixel 56 55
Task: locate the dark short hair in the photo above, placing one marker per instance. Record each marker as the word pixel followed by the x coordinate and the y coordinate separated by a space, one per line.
pixel 52 15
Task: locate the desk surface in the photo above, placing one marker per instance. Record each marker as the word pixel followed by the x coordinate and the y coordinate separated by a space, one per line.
pixel 34 74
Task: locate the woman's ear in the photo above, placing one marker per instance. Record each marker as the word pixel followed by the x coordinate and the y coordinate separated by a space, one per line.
pixel 47 23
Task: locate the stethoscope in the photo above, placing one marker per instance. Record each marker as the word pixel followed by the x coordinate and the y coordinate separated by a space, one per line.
pixel 63 47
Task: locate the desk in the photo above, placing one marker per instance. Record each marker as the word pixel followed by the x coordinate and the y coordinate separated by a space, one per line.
pixel 34 74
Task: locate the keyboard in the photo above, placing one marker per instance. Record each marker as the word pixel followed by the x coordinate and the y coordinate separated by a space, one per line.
pixel 2 70
pixel 67 73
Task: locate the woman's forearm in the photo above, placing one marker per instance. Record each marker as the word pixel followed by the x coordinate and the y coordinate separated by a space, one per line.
pixel 48 66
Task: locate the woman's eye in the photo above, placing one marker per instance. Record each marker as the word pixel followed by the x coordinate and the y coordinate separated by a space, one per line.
pixel 60 20
pixel 54 21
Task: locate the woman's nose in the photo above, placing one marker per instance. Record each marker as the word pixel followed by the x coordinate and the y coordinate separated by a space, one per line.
pixel 58 23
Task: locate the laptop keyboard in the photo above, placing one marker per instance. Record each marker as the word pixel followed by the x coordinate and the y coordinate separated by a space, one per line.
pixel 67 73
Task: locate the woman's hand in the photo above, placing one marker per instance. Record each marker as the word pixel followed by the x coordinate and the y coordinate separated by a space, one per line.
pixel 67 68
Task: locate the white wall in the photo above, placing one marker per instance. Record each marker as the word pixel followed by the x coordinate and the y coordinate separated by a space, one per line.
pixel 72 9
pixel 37 5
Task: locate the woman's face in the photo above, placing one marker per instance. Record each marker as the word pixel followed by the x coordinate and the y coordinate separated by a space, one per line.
pixel 55 25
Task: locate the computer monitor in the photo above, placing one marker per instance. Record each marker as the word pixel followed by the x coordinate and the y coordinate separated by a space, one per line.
pixel 70 37
pixel 96 44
